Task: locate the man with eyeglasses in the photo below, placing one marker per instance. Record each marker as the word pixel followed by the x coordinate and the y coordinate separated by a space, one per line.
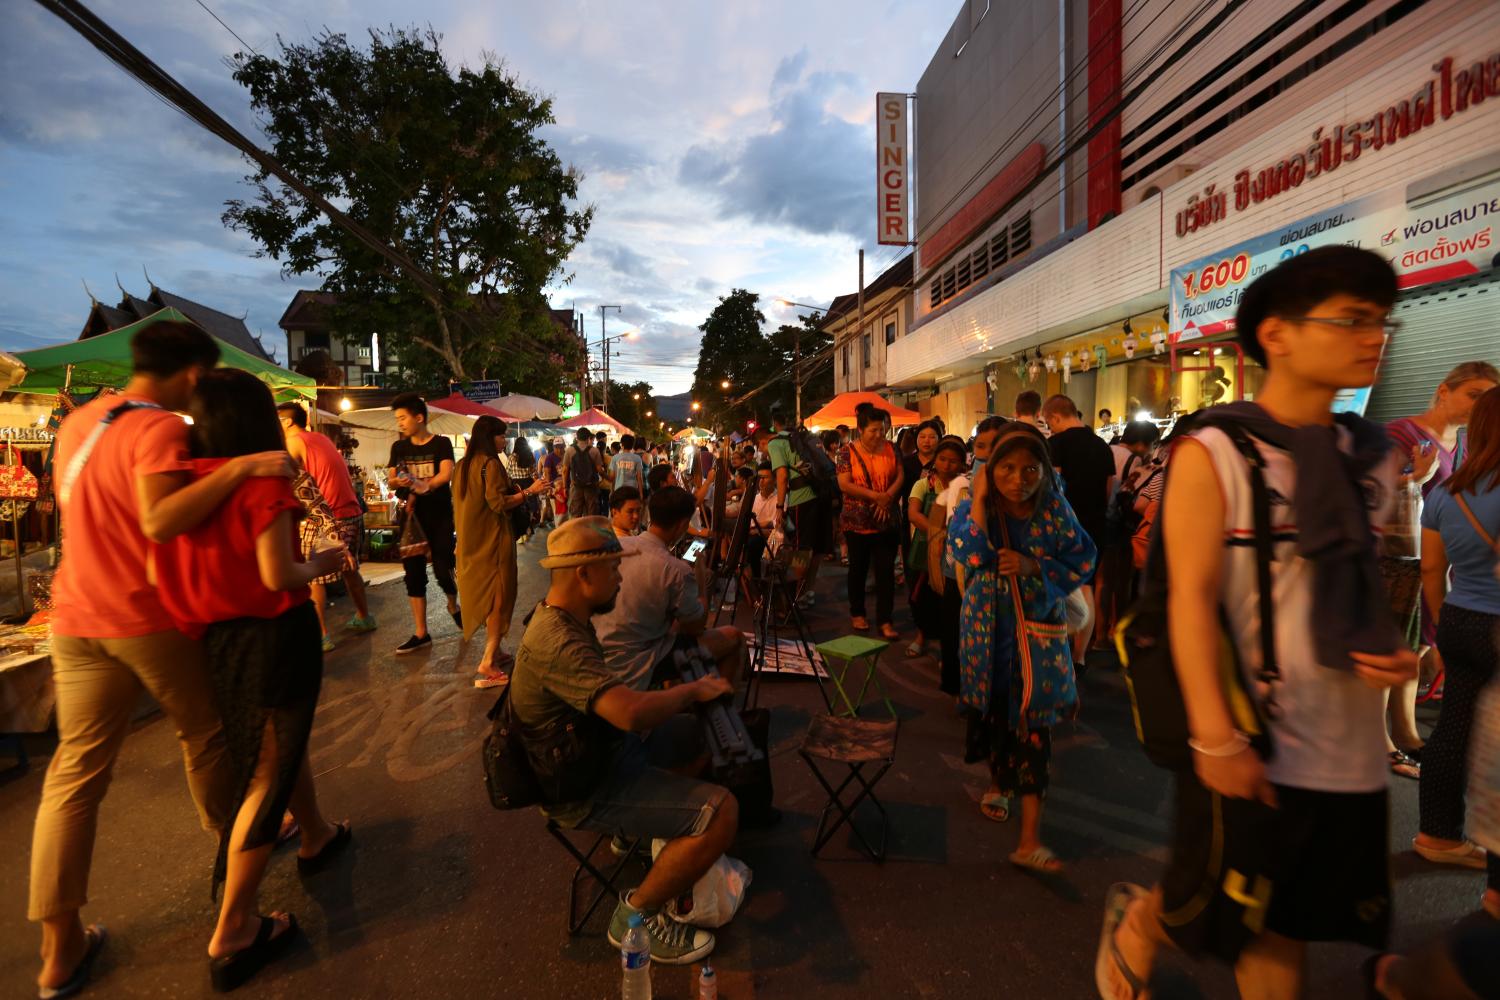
pixel 1275 848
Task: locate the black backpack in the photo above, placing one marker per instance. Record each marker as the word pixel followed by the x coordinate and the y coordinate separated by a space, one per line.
pixel 1124 520
pixel 1143 640
pixel 813 467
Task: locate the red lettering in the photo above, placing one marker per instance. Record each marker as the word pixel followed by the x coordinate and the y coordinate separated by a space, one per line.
pixel 1444 70
pixel 893 201
pixel 894 226
pixel 892 110
pixel 892 179
pixel 892 157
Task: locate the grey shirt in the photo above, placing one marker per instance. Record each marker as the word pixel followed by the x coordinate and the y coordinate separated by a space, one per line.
pixel 657 590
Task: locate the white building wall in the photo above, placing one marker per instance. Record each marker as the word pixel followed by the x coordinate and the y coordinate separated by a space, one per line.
pixel 1128 260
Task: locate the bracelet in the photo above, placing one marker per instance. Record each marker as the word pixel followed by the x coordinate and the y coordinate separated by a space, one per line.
pixel 1236 745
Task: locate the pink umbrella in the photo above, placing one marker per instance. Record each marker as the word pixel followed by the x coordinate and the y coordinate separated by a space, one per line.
pixel 459 403
pixel 595 418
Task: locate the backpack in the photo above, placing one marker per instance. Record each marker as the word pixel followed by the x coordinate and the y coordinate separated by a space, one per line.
pixel 582 470
pixel 813 466
pixel 1143 640
pixel 1124 520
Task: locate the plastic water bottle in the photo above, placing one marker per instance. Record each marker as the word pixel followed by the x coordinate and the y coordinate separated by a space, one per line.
pixel 708 983
pixel 635 960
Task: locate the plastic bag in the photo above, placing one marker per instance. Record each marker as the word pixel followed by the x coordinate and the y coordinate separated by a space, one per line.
pixel 1076 608
pixel 413 542
pixel 716 897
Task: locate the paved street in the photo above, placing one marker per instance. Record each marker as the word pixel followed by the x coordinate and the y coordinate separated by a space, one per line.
pixel 444 897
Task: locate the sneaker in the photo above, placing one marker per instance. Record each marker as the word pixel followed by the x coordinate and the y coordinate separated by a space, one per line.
pixel 413 644
pixel 672 943
pixel 328 644
pixel 358 624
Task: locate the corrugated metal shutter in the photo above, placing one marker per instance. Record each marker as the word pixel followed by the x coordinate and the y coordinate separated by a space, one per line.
pixel 1440 329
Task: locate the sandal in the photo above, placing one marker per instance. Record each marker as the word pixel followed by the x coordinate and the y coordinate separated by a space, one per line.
pixel 1040 860
pixel 290 830
pixel 230 971
pixel 995 807
pixel 859 623
pixel 1403 765
pixel 1465 855
pixel 915 649
pixel 1108 957
pixel 483 680
pixel 340 840
pixel 96 936
pixel 1433 691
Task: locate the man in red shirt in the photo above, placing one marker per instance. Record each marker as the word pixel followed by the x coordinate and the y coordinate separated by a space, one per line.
pixel 124 481
pixel 323 462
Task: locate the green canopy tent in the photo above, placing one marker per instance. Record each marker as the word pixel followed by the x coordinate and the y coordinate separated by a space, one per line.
pixel 104 360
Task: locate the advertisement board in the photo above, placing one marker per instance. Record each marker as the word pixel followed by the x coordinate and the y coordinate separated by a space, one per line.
pixel 893 224
pixel 1427 241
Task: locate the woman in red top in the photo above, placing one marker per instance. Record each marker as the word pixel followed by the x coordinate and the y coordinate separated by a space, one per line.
pixel 870 479
pixel 238 581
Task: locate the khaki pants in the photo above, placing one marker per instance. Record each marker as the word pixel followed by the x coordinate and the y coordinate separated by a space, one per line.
pixel 98 683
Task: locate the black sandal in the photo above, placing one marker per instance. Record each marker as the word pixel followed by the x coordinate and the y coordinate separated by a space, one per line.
pixel 231 971
pixel 330 851
pixel 96 936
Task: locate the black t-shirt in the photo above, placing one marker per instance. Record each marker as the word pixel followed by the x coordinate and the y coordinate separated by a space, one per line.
pixel 1086 464
pixel 423 461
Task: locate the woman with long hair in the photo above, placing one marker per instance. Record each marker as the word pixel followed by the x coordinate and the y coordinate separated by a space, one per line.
pixel 520 466
pixel 1021 552
pixel 237 581
pixel 1433 446
pixel 869 474
pixel 1460 526
pixel 483 497
pixel 948 460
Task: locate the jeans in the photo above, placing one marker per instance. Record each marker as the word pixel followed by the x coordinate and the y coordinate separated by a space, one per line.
pixel 98 683
pixel 880 550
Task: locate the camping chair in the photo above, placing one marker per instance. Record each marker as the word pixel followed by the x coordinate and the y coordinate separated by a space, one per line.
pixel 854 743
pixel 604 881
pixel 856 652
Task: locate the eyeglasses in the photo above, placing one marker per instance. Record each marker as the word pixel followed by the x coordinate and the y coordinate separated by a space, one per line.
pixel 1390 326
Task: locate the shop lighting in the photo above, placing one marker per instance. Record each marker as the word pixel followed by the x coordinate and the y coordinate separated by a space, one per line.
pixel 697 406
pixel 42 420
pixel 724 384
pixel 345 405
pixel 1144 415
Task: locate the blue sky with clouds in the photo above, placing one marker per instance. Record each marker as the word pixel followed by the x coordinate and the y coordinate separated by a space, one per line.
pixel 724 145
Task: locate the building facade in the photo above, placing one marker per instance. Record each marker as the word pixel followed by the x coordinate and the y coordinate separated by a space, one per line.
pixel 1067 221
pixel 859 351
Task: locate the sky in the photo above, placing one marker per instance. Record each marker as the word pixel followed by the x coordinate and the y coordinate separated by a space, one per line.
pixel 722 145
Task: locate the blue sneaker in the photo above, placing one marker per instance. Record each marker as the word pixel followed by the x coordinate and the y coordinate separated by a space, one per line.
pixel 358 624
pixel 328 644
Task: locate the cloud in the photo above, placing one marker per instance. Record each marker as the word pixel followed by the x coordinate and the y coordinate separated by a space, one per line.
pixel 808 168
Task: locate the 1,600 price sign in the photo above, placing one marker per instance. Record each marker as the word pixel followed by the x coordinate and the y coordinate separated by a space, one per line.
pixel 1220 275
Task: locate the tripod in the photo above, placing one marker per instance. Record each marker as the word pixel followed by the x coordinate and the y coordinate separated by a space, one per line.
pixel 775 611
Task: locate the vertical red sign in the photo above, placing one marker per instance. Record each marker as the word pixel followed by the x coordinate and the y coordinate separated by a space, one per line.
pixel 891 155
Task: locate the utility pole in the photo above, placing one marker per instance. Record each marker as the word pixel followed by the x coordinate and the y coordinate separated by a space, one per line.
pixel 861 333
pixel 604 354
pixel 583 387
pixel 797 373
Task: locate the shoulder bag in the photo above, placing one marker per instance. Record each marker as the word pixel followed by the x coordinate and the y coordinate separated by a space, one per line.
pixel 1485 536
pixel 881 515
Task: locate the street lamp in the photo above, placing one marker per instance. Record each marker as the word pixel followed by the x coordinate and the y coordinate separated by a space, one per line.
pixel 637 397
pixel 649 413
pixel 697 406
pixel 724 384
pixel 797 354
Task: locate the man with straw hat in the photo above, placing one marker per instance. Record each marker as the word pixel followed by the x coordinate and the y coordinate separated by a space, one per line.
pixel 646 744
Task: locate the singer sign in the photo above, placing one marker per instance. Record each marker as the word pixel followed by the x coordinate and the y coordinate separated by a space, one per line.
pixel 891 153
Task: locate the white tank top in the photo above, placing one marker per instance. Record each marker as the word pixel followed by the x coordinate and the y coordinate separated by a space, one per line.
pixel 1331 732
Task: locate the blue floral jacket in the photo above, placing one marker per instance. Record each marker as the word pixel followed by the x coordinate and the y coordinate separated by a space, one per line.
pixel 1047 692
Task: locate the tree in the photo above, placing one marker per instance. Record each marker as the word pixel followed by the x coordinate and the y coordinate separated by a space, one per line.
pixel 817 377
pixel 733 349
pixel 624 406
pixel 449 169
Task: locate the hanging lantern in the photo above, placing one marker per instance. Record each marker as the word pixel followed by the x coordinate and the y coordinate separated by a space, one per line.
pixel 1159 342
pixel 1051 363
pixel 1129 344
pixel 1101 356
pixel 1034 369
pixel 1067 367
pixel 1085 358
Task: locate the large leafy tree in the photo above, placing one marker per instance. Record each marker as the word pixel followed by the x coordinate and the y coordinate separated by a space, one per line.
pixel 625 407
pixel 447 167
pixel 817 378
pixel 733 350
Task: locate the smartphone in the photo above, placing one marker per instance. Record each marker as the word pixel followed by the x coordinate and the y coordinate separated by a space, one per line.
pixel 694 550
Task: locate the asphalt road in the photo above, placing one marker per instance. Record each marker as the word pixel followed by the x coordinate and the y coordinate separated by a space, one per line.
pixel 444 897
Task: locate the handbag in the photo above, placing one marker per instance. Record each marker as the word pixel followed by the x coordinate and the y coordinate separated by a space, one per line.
pixel 507 771
pixel 412 543
pixel 879 514
pixel 16 481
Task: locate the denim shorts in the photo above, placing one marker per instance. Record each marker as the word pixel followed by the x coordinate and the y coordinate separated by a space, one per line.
pixel 638 798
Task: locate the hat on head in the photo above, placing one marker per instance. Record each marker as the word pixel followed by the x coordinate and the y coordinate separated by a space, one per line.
pixel 580 541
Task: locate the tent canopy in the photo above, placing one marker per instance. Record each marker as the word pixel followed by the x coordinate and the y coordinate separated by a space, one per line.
pixel 528 407
pixel 459 403
pixel 595 419
pixel 840 410
pixel 380 418
pixel 104 360
pixel 691 433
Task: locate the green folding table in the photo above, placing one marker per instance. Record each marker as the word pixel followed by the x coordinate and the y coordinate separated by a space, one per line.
pixel 856 651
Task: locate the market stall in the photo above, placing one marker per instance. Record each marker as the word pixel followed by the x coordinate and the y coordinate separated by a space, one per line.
pixel 840 410
pixel 596 420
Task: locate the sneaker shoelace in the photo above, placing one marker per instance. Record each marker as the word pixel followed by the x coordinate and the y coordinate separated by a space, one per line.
pixel 669 931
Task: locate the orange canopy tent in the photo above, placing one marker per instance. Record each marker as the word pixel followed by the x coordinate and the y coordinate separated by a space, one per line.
pixel 840 410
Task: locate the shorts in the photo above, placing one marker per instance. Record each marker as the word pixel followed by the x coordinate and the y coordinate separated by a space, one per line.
pixel 812 526
pixel 1315 868
pixel 349 530
pixel 638 798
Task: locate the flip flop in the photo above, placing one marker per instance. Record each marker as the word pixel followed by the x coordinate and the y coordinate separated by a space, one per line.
pixel 1465 855
pixel 290 830
pixel 1108 957
pixel 1041 861
pixel 991 803
pixel 230 971
pixel 96 935
pixel 1403 765
pixel 321 860
pixel 483 680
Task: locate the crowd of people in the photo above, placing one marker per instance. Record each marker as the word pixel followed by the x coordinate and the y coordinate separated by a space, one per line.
pixel 1309 565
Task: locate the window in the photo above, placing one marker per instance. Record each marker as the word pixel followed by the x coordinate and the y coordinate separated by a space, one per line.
pixel 890 333
pixel 962 270
pixel 937 291
pixel 999 249
pixel 1020 234
pixel 981 262
pixel 864 349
